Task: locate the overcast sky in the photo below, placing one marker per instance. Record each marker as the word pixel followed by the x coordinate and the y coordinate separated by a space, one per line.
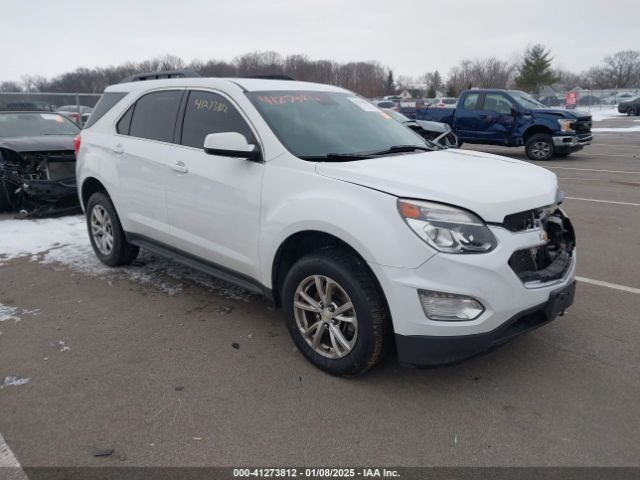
pixel 44 37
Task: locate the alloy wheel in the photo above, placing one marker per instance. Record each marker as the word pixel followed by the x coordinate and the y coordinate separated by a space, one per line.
pixel 325 316
pixel 102 229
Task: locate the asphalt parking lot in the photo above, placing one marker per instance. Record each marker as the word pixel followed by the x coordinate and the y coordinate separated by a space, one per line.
pixel 116 363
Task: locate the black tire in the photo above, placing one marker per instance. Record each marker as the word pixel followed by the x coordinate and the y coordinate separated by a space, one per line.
pixel 632 112
pixel 121 252
pixel 539 147
pixel 7 197
pixel 369 306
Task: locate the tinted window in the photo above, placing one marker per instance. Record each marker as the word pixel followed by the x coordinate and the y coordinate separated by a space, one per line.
pixel 315 124
pixel 106 103
pixel 125 122
pixel 497 103
pixel 470 101
pixel 207 113
pixel 154 115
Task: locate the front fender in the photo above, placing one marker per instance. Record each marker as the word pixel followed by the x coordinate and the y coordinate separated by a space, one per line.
pixel 365 219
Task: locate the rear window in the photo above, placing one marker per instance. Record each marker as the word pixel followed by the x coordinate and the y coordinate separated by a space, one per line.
pixel 106 103
pixel 154 116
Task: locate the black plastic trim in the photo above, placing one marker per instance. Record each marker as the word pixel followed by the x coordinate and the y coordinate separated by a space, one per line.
pixel 425 351
pixel 138 77
pixel 200 264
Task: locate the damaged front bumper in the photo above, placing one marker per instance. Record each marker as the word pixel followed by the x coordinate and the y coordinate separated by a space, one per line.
pixel 38 184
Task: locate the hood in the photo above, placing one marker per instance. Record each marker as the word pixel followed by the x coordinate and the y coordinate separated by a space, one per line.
pixel 489 185
pixel 560 113
pixel 431 126
pixel 38 144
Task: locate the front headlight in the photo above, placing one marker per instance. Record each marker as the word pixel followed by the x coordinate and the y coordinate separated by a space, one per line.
pixel 447 229
pixel 566 125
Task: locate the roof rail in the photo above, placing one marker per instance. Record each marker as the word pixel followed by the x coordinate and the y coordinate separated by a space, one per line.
pixel 270 77
pixel 138 77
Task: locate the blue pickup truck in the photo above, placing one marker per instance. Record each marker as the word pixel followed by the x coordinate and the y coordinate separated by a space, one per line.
pixel 512 118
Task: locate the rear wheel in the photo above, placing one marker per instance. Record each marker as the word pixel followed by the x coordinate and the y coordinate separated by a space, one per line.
pixel 632 112
pixel 335 311
pixel 539 147
pixel 105 232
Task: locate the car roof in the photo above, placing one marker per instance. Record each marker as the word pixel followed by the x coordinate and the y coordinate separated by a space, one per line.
pixel 30 111
pixel 247 84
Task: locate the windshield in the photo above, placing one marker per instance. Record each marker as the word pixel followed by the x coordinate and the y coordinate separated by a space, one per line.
pixel 397 115
pixel 34 124
pixel 322 124
pixel 526 100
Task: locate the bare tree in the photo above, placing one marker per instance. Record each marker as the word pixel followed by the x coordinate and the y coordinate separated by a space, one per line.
pixel 622 68
pixel 481 73
pixel 9 86
pixel 34 83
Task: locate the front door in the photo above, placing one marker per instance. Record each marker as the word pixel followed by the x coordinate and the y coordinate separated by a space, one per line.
pixel 213 201
pixel 496 119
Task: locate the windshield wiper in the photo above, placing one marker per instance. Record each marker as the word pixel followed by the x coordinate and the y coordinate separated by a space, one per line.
pixel 401 149
pixel 336 157
pixel 346 157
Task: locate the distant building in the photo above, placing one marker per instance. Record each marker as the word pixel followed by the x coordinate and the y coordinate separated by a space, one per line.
pixel 411 93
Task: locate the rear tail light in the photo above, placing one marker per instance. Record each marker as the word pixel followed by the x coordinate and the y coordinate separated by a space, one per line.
pixel 76 144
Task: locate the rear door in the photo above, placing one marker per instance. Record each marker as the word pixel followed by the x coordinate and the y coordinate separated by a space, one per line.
pixel 465 118
pixel 142 147
pixel 496 120
pixel 214 201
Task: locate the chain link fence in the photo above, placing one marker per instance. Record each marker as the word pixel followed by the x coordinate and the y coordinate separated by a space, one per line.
pixel 46 101
pixel 587 99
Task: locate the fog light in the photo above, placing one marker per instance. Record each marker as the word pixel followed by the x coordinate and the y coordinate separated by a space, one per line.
pixel 449 307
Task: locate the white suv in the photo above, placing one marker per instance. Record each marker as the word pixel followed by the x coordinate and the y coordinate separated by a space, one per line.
pixel 314 197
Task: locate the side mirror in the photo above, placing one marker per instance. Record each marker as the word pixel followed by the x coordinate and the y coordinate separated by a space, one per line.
pixel 514 112
pixel 230 144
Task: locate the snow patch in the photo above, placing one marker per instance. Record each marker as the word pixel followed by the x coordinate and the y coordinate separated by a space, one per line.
pixel 599 115
pixel 26 237
pixel 635 128
pixel 8 313
pixel 14 381
pixel 64 241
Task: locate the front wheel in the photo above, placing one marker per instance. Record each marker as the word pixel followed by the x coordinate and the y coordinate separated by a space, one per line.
pixel 632 112
pixel 335 311
pixel 105 232
pixel 539 147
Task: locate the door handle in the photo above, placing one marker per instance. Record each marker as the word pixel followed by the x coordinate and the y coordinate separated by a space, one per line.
pixel 180 167
pixel 117 149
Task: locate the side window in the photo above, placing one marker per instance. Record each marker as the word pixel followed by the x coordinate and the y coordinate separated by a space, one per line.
pixel 470 101
pixel 124 124
pixel 497 103
pixel 207 113
pixel 154 116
